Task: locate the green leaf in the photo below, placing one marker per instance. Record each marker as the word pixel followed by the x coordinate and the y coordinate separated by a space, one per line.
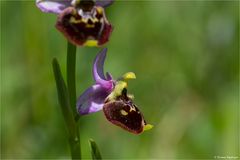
pixel 94 150
pixel 63 98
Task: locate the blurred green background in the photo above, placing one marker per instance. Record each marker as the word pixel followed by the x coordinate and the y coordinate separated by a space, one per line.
pixel 185 55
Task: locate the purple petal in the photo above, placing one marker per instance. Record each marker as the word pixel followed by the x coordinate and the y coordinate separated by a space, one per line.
pixel 98 72
pixel 104 3
pixel 53 6
pixel 109 76
pixel 92 100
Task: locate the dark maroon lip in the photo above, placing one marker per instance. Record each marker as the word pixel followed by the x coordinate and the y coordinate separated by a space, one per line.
pixel 126 128
pixel 124 113
pixel 78 29
pixel 133 122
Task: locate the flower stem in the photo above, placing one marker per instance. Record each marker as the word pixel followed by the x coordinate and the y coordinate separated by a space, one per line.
pixel 71 85
pixel 71 71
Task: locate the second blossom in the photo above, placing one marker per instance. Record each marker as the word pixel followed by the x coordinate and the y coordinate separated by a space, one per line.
pixel 82 22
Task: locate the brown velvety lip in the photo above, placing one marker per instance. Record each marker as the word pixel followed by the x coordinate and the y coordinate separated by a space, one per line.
pixel 74 32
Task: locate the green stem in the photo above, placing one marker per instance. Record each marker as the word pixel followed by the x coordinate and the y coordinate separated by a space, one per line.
pixel 71 85
pixel 71 71
pixel 71 77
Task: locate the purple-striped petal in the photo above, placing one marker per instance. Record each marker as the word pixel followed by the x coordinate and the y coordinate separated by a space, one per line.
pixel 98 72
pixel 104 3
pixel 92 100
pixel 53 6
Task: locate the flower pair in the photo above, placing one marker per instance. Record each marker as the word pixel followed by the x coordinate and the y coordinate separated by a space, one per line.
pixel 82 22
pixel 111 96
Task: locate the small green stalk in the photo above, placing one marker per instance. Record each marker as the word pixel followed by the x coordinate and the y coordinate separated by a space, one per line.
pixel 71 71
pixel 71 85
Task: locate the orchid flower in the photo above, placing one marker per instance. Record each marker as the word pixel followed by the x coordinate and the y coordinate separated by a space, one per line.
pixel 111 96
pixel 82 22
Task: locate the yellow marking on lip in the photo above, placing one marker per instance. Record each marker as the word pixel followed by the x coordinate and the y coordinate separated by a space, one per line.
pixel 73 20
pixel 147 127
pixel 91 43
pixel 83 20
pixel 132 109
pixel 123 112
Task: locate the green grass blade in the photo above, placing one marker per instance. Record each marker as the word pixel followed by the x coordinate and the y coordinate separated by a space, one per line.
pixel 94 150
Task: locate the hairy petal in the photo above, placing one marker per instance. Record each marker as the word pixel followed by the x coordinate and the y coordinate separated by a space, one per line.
pixel 92 100
pixel 98 72
pixel 104 3
pixel 53 6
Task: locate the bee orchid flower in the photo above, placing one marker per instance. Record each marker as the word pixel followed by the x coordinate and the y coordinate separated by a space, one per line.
pixel 82 22
pixel 111 96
